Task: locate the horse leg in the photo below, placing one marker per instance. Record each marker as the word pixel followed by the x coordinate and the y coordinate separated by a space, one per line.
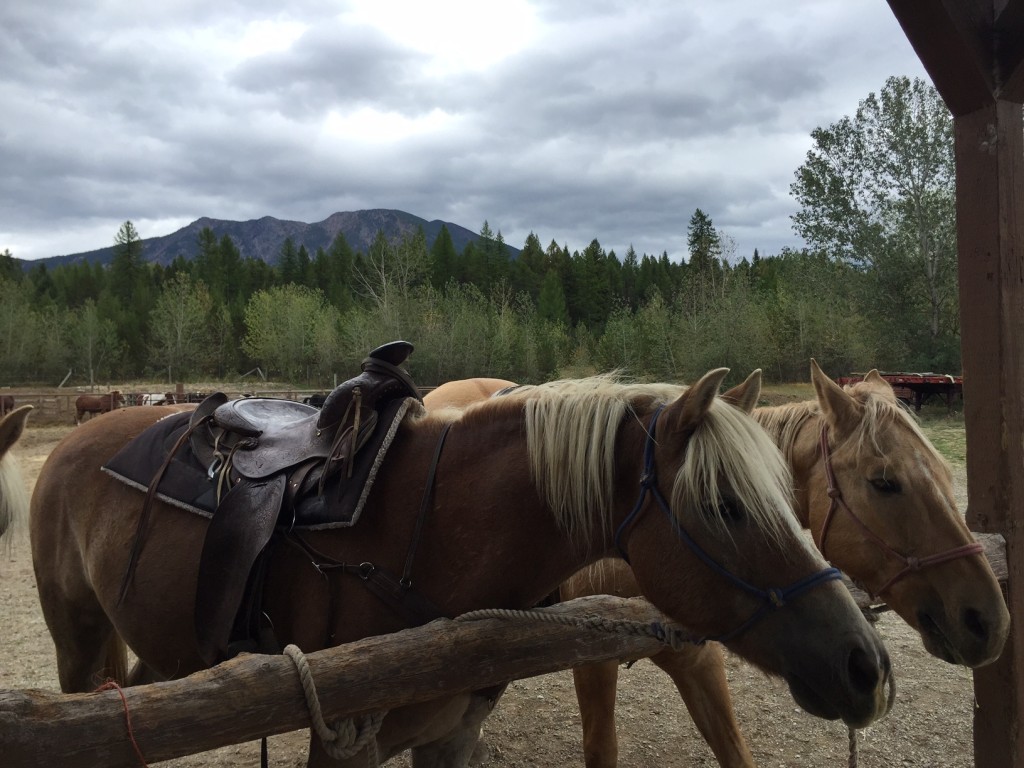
pixel 457 749
pixel 443 733
pixel 87 646
pixel 595 691
pixel 699 675
pixel 89 651
pixel 141 674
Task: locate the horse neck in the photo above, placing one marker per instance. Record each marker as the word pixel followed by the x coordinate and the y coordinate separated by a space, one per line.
pixel 795 428
pixel 520 551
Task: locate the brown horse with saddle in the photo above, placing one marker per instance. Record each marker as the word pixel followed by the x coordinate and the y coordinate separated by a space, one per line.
pixel 492 507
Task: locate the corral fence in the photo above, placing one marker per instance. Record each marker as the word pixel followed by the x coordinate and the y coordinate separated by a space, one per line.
pixel 59 407
pixel 254 695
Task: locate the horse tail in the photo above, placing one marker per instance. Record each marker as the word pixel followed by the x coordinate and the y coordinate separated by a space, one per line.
pixel 115 659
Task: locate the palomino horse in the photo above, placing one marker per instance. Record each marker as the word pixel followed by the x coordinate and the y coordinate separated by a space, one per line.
pixel 879 504
pixel 13 497
pixel 525 492
pixel 94 404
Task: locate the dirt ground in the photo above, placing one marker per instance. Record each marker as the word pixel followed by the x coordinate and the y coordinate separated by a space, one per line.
pixel 537 722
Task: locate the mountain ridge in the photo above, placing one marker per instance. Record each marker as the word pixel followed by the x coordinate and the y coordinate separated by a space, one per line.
pixel 263 238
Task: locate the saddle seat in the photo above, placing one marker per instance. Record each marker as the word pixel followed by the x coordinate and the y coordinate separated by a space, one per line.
pixel 260 437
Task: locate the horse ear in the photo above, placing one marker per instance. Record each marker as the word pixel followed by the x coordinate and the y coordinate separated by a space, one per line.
pixel 12 426
pixel 745 396
pixel 692 406
pixel 838 407
pixel 875 380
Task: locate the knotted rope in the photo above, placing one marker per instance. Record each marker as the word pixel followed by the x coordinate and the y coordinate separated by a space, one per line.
pixel 345 739
pixel 111 685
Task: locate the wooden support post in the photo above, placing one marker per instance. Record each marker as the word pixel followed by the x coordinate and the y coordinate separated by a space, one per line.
pixel 990 216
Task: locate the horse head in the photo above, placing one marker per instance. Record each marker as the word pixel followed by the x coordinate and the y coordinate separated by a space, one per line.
pixel 896 527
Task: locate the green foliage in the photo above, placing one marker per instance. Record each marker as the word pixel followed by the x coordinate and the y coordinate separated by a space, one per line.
pixel 97 350
pixel 9 269
pixel 181 331
pixel 291 331
pixel 877 192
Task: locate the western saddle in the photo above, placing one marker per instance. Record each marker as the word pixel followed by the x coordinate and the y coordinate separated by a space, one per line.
pixel 279 464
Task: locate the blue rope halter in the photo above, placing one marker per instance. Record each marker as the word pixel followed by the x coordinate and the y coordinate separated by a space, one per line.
pixel 771 599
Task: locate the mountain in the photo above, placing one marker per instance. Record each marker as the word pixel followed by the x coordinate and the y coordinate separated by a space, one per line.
pixel 263 238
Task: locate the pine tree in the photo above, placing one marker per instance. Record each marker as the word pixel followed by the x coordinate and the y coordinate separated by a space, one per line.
pixel 443 257
pixel 528 270
pixel 9 269
pixel 288 263
pixel 126 265
pixel 551 305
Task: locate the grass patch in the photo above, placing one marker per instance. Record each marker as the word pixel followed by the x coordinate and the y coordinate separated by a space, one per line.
pixel 949 437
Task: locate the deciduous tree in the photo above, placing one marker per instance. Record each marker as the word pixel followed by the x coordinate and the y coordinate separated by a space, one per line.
pixel 877 191
pixel 180 326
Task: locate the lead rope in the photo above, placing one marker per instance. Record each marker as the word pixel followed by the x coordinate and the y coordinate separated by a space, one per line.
pixel 345 739
pixel 851 761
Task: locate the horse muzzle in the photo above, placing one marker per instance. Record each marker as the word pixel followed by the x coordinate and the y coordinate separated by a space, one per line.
pixel 857 688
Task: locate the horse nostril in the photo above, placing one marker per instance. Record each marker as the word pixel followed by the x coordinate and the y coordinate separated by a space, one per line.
pixel 863 670
pixel 976 624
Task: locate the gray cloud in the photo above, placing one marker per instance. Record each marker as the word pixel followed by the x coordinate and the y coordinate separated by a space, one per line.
pixel 611 123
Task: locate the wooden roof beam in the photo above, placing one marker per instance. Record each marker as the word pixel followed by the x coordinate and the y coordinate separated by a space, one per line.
pixel 972 49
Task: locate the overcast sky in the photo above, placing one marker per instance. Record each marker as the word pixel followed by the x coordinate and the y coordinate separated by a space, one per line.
pixel 574 119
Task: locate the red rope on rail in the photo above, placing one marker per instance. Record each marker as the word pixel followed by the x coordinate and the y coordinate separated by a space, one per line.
pixel 111 685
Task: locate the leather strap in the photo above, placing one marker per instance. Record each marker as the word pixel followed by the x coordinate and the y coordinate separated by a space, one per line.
pixel 425 504
pixel 147 506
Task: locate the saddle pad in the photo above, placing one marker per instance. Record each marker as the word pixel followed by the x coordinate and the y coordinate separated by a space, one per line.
pixel 187 485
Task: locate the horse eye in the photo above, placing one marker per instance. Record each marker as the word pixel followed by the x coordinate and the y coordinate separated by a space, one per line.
pixel 727 510
pixel 885 485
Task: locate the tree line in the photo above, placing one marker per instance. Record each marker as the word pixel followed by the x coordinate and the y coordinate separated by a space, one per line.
pixel 876 287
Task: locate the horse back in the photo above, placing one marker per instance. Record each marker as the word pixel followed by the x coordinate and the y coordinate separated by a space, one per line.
pixel 463 392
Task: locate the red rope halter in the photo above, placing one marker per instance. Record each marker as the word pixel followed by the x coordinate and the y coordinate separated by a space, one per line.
pixel 910 564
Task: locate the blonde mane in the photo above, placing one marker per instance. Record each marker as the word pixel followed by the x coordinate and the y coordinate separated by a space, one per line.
pixel 880 410
pixel 784 422
pixel 571 431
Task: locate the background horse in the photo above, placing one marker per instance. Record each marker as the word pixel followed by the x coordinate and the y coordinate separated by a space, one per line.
pixel 156 398
pixel 896 502
pixel 97 404
pixel 516 508
pixel 13 496
pixel 6 404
